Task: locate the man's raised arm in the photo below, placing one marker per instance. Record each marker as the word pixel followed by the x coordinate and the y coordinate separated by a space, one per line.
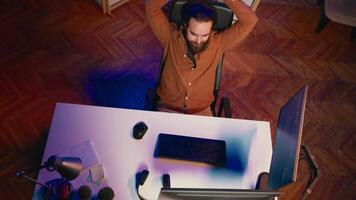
pixel 157 20
pixel 247 20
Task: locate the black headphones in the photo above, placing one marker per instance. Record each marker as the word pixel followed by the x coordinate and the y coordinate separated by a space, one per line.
pixel 166 182
pixel 105 193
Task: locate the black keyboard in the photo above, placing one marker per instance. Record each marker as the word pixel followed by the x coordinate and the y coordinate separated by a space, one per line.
pixel 191 148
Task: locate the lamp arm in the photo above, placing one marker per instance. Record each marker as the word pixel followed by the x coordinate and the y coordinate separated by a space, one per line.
pixel 35 181
pixel 23 174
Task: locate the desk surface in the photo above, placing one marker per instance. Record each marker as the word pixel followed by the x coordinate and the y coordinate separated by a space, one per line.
pixel 248 142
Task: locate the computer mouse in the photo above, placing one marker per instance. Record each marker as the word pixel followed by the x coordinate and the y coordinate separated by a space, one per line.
pixel 139 130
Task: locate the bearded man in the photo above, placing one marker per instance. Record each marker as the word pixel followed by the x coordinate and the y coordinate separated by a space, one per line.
pixel 191 52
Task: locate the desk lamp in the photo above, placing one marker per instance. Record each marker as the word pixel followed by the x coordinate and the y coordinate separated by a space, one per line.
pixel 68 167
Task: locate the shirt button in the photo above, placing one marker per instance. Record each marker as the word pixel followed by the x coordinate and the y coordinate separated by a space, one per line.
pixel 189 83
pixel 186 98
pixel 184 56
pixel 192 68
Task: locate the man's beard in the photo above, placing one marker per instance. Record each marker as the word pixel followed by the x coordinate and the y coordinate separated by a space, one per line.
pixel 193 46
pixel 197 48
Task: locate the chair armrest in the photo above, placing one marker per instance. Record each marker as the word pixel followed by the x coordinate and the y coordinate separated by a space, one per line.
pixel 151 99
pixel 225 106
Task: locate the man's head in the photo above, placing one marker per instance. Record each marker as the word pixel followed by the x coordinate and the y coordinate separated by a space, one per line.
pixel 199 18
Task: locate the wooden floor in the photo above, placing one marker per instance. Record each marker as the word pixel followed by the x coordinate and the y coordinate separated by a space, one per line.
pixel 68 51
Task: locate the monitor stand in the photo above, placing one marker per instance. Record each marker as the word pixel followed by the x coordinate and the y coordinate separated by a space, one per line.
pixel 262 180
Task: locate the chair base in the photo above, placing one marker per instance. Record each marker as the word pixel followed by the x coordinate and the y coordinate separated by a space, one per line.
pixel 319 2
pixel 323 21
pixel 353 34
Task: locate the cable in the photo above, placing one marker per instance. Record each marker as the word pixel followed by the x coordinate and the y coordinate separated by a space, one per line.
pixel 143 176
pixel 314 173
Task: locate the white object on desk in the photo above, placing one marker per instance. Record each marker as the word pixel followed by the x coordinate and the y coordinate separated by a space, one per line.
pixel 85 151
pixel 108 5
pixel 248 142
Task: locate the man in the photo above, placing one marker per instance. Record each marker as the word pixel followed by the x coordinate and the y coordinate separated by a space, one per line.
pixel 192 52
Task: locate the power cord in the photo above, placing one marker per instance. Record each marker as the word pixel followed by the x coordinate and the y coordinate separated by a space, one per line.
pixel 142 179
pixel 314 171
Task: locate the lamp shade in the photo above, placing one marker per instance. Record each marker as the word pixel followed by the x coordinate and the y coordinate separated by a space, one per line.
pixel 68 167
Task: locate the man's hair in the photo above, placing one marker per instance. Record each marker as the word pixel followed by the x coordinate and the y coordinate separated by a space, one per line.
pixel 200 10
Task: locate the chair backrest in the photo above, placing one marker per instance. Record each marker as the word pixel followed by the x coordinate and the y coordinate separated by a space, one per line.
pixel 223 13
pixel 224 20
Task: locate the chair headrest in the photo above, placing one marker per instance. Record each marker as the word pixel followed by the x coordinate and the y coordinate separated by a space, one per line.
pixel 224 15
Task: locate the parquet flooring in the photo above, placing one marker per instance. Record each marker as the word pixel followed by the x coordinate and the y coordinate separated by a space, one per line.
pixel 68 51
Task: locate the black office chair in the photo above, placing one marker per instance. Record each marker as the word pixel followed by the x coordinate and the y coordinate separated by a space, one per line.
pixel 224 20
pixel 339 11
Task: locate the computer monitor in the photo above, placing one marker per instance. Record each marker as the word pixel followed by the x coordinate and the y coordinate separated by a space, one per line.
pixel 285 155
pixel 215 194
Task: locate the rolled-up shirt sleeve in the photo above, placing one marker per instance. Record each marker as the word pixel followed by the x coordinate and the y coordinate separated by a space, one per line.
pixel 247 20
pixel 157 20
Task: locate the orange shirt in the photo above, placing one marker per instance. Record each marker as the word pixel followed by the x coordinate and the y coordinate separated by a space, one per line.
pixel 182 85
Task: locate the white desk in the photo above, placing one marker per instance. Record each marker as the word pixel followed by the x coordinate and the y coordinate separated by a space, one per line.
pixel 110 130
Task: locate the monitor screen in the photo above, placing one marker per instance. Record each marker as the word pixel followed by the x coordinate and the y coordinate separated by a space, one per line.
pixel 285 155
pixel 215 194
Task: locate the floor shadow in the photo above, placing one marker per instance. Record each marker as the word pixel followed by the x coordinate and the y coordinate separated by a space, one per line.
pixel 122 88
pixel 36 151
